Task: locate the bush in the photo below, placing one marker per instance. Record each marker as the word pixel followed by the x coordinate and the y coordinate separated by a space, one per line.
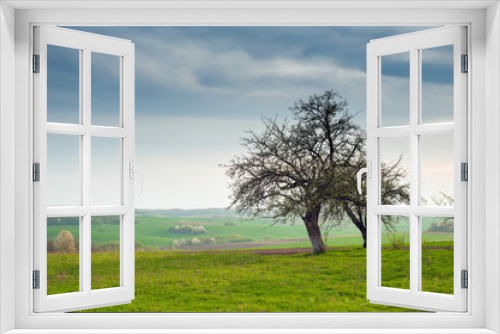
pixel 397 242
pixel 188 229
pixel 229 223
pixel 178 242
pixel 195 241
pixel 65 241
pixel 51 247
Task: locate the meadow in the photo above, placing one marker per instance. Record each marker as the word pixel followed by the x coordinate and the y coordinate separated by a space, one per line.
pixel 246 281
pixel 228 281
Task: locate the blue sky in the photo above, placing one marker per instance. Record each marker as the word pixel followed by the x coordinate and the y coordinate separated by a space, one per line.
pixel 199 88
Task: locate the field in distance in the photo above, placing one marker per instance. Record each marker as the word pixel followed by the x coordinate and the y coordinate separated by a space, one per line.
pixel 219 233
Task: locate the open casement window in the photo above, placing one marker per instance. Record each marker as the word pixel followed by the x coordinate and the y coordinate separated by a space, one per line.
pixel 83 169
pixel 416 114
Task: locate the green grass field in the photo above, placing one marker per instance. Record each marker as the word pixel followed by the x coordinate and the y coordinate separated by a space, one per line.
pixel 228 281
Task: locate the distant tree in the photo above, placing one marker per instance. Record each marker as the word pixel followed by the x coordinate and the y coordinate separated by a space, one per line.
pixel 292 169
pixel 443 224
pixel 65 241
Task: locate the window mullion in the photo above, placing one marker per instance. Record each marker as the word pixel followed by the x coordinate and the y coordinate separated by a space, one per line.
pixel 85 237
pixel 414 169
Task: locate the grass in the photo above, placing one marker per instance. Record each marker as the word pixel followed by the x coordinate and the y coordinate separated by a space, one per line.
pixel 63 271
pixel 228 281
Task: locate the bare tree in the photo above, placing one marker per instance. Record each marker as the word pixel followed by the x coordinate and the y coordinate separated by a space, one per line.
pixel 393 190
pixel 292 170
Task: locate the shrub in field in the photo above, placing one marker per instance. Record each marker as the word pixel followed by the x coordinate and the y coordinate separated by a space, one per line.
pixel 229 223
pixel 188 229
pixel 397 242
pixel 178 242
pixel 195 241
pixel 65 241
pixel 206 241
pixel 51 247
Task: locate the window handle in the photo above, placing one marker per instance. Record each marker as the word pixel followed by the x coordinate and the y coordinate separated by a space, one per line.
pixel 133 170
pixel 368 171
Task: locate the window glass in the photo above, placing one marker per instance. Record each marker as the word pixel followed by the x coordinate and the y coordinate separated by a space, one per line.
pixel 437 172
pixel 395 170
pixel 437 84
pixel 63 260
pixel 105 252
pixel 106 171
pixel 63 85
pixel 105 90
pixel 437 254
pixel 395 251
pixel 395 89
pixel 63 170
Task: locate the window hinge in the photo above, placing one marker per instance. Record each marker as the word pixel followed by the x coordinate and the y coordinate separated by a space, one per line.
pixel 465 64
pixel 36 279
pixel 36 63
pixel 36 172
pixel 465 279
pixel 464 171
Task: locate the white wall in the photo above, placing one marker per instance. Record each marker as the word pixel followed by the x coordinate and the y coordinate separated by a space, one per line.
pixel 492 162
pixel 7 159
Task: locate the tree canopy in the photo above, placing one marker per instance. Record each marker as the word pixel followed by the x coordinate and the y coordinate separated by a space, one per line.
pixel 304 167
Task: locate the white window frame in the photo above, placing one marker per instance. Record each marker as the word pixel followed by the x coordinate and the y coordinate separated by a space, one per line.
pixel 86 44
pixel 483 21
pixel 413 44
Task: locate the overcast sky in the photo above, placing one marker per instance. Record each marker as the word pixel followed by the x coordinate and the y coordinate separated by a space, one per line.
pixel 199 88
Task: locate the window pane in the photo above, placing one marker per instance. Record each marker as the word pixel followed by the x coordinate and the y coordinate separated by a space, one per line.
pixel 63 170
pixel 395 86
pixel 63 261
pixel 106 171
pixel 395 251
pixel 395 170
pixel 105 252
pixel 63 85
pixel 437 84
pixel 437 172
pixel 437 254
pixel 105 89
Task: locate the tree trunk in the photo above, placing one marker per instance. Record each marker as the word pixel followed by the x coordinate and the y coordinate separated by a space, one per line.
pixel 311 221
pixel 363 234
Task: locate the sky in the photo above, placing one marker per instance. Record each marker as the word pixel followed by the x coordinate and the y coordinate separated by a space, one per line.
pixel 199 88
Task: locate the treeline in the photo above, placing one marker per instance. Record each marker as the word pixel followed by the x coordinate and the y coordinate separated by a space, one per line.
pixel 96 220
